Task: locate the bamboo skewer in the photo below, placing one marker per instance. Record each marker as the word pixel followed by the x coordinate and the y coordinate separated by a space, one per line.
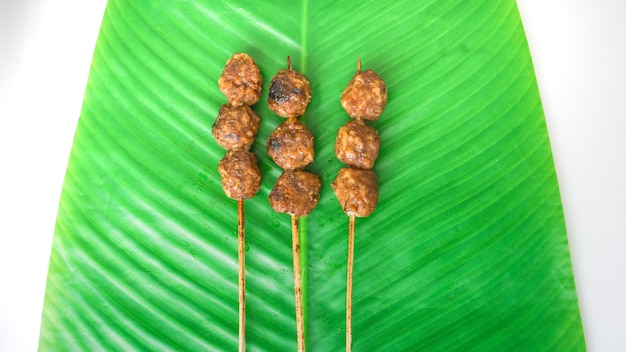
pixel 349 284
pixel 242 275
pixel 356 185
pixel 350 264
pixel 235 129
pixel 291 147
pixel 297 282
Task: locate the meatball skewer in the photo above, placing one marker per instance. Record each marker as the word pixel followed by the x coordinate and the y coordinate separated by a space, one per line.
pixel 235 129
pixel 291 147
pixel 357 146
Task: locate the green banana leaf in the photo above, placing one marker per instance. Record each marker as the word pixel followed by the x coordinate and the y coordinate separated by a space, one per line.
pixel 467 250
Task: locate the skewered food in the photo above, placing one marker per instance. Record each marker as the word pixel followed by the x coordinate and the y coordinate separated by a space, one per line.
pixel 241 81
pixel 291 145
pixel 235 127
pixel 365 96
pixel 357 145
pixel 296 193
pixel 290 93
pixel 357 191
pixel 241 177
pixel 234 130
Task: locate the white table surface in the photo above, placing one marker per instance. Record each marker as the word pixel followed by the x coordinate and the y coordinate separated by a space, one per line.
pixel 579 52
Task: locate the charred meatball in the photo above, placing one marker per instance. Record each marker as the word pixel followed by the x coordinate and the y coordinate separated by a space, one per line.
pixel 357 145
pixel 291 145
pixel 241 81
pixel 235 127
pixel 241 177
pixel 365 96
pixel 290 93
pixel 296 192
pixel 357 191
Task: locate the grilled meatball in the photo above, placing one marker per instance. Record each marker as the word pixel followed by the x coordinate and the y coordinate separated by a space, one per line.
pixel 290 93
pixel 296 192
pixel 365 96
pixel 291 145
pixel 357 145
pixel 241 177
pixel 357 191
pixel 241 81
pixel 235 127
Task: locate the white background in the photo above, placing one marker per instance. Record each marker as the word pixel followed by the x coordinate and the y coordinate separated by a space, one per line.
pixel 579 52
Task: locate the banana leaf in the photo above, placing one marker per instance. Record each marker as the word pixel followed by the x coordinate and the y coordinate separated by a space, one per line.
pixel 466 251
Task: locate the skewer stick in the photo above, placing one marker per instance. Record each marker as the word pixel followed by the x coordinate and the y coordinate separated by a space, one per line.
pixel 297 281
pixel 350 262
pixel 242 275
pixel 349 285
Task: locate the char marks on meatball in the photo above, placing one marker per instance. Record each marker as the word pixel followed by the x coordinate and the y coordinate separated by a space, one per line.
pixel 289 94
pixel 357 145
pixel 291 145
pixel 357 191
pixel 241 177
pixel 365 96
pixel 241 81
pixel 296 192
pixel 235 127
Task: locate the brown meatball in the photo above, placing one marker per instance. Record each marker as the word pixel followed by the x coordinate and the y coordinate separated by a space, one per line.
pixel 296 192
pixel 291 145
pixel 357 145
pixel 357 191
pixel 235 127
pixel 290 93
pixel 241 177
pixel 241 81
pixel 365 96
